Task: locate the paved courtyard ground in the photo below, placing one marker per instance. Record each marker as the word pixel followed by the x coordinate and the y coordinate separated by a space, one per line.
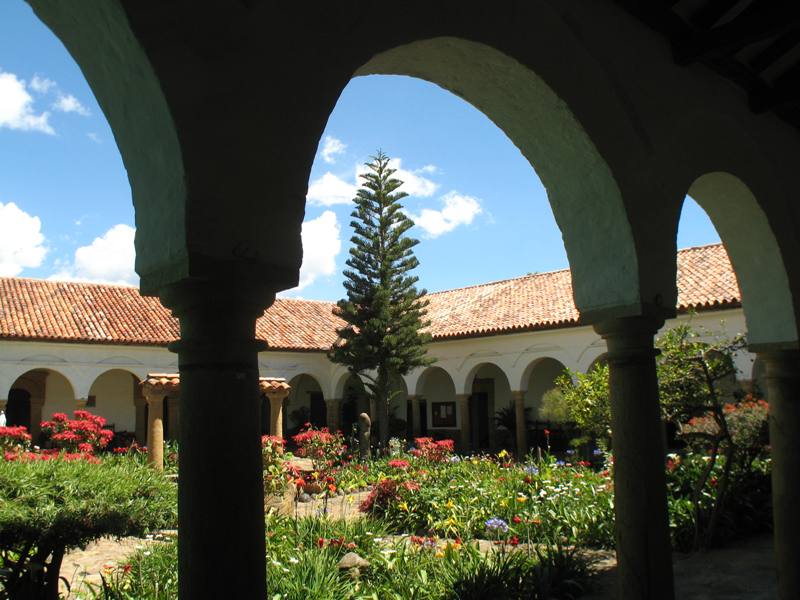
pixel 742 571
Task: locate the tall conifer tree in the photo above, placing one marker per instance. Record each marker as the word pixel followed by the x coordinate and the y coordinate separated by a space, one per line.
pixel 384 311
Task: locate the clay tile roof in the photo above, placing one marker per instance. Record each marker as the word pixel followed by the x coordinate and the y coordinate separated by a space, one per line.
pixel 82 312
pixel 161 383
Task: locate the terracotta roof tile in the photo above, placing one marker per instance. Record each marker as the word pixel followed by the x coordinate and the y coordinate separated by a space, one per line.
pixel 82 312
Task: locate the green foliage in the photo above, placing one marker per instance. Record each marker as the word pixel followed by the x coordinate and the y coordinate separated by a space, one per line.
pixel 302 559
pixel 384 312
pixel 586 394
pixel 542 501
pixel 50 506
pixel 555 407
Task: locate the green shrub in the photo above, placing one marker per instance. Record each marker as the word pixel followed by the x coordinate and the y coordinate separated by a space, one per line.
pixel 48 507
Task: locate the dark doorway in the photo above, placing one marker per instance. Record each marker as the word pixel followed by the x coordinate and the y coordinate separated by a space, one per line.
pixel 479 419
pixel 18 409
pixel 319 412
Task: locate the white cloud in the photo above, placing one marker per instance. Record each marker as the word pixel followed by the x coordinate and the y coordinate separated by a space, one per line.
pixel 329 190
pixel 16 107
pixel 21 240
pixel 70 104
pixel 321 246
pixel 414 184
pixel 109 258
pixel 41 85
pixel 331 148
pixel 458 209
pixel 94 137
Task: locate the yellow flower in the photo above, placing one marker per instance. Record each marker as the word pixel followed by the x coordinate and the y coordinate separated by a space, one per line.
pixel 502 454
pixel 503 503
pixel 439 554
pixel 474 461
pixel 449 504
pixel 521 499
pixel 403 506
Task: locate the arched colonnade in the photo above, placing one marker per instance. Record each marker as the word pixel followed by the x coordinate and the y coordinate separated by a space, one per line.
pixel 616 130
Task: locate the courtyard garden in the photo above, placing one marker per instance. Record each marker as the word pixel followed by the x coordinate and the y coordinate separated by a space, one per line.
pixel 420 521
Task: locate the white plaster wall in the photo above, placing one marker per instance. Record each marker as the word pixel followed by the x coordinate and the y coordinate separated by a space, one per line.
pixel 113 392
pixel 438 387
pixel 78 366
pixel 58 396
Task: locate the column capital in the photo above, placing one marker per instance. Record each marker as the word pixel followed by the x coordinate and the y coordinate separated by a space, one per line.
pixel 518 394
pixel 629 339
pixel 81 403
pixel 217 320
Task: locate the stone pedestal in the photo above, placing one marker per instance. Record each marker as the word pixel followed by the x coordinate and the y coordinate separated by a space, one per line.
pixel 783 386
pixel 521 430
pixel 644 555
pixel 466 431
pixel 221 491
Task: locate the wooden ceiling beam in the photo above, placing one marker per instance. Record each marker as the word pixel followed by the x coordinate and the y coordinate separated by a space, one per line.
pixel 759 21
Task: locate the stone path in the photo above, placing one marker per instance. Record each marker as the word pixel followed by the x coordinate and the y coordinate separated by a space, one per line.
pixel 86 566
pixel 742 571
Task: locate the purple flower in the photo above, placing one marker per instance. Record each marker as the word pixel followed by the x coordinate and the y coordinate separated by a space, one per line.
pixel 496 524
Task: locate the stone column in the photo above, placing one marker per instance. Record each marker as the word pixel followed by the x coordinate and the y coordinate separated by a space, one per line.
pixel 220 490
pixel 783 386
pixel 334 411
pixel 155 430
pixel 276 399
pixel 416 420
pixel 466 431
pixel 37 404
pixel 644 555
pixel 518 396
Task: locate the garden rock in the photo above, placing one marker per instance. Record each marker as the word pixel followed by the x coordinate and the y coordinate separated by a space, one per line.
pixel 353 564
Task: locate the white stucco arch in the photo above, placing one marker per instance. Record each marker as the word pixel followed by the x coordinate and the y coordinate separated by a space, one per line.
pixel 585 196
pixel 754 254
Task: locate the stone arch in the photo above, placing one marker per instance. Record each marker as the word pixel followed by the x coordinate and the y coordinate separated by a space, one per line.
pixel 115 394
pixel 583 193
pixel 755 255
pixel 304 404
pixel 490 404
pixel 437 391
pixel 538 379
pixel 47 391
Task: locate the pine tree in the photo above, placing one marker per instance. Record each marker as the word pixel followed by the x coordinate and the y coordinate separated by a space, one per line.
pixel 384 312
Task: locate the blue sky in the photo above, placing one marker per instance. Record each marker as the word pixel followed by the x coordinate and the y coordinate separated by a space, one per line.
pixel 65 202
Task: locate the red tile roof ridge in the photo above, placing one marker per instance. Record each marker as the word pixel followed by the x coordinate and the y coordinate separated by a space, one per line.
pixel 499 281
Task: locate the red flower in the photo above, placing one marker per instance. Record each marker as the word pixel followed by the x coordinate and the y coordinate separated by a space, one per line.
pixel 514 540
pixel 516 519
pixel 547 432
